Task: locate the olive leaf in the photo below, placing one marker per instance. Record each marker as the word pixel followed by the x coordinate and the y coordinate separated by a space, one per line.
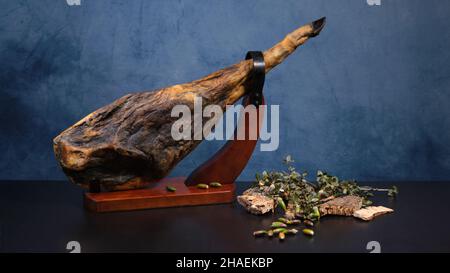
pixel 393 191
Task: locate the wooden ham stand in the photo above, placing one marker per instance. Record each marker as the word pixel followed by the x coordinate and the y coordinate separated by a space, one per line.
pixel 224 167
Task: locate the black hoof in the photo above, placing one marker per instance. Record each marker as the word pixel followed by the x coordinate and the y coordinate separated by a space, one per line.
pixel 317 26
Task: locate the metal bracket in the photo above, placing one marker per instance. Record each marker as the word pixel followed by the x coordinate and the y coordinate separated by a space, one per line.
pixel 258 75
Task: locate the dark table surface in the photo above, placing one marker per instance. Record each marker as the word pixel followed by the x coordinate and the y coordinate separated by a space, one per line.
pixel 43 216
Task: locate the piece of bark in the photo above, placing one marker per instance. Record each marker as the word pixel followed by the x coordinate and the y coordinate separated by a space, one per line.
pixel 345 205
pixel 255 202
pixel 128 143
pixel 368 213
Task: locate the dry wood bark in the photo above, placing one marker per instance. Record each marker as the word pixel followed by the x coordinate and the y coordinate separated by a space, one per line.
pixel 255 202
pixel 345 205
pixel 368 213
pixel 128 143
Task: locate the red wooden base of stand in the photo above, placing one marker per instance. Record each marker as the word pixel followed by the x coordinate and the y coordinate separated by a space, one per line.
pixel 157 196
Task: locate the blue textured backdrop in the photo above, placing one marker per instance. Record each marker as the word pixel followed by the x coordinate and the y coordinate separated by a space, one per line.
pixel 368 99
